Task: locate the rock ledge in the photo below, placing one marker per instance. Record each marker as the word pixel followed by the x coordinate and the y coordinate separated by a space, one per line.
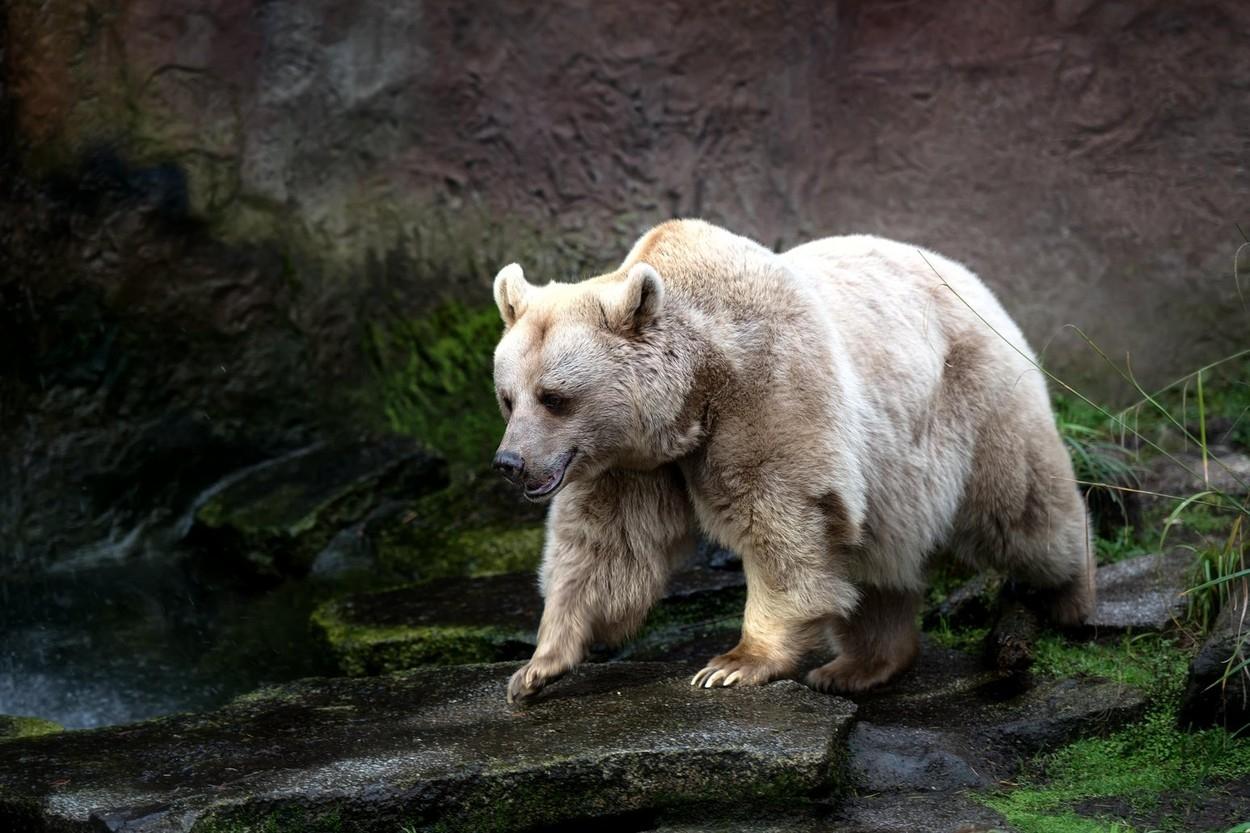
pixel 436 747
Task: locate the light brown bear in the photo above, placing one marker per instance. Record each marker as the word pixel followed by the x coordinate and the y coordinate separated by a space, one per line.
pixel 835 414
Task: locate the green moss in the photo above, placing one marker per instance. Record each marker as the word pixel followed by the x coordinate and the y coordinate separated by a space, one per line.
pixel 969 640
pixel 434 378
pixel 1138 763
pixel 371 649
pixel 12 728
pixel 1141 661
pixel 701 608
pixel 486 551
pixel 424 554
pixel 474 527
pixel 267 515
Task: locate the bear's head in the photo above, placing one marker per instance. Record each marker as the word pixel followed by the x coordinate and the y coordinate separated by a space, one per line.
pixel 567 376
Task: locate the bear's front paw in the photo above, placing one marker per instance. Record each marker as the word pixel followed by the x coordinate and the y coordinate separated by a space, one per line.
pixel 738 667
pixel 531 678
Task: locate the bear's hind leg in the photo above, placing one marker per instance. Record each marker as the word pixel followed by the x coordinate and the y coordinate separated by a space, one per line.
pixel 1023 515
pixel 876 642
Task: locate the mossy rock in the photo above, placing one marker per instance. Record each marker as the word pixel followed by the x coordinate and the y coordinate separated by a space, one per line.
pixel 13 727
pixel 273 519
pixel 441 622
pixel 480 525
pixel 426 554
pixel 493 618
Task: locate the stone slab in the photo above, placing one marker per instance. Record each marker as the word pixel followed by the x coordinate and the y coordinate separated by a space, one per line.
pixel 432 749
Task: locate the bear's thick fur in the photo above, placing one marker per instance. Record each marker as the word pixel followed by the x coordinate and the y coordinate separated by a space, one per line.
pixel 836 414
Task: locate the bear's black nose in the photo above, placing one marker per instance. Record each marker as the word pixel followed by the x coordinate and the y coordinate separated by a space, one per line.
pixel 509 464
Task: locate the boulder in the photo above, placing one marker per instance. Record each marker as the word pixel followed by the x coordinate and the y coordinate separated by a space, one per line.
pixel 1144 593
pixel 273 519
pixel 494 618
pixel 436 749
pixel 1214 696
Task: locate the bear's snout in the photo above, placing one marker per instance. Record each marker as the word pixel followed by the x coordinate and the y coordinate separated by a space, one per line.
pixel 510 465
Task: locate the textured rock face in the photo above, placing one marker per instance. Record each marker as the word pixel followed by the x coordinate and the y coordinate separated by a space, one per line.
pixel 784 123
pixel 432 750
pixel 237 185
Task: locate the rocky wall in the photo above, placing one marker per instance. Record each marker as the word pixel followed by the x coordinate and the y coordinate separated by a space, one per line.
pixel 207 202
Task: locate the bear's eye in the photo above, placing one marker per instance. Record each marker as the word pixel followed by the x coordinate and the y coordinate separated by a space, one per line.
pixel 553 402
pixel 506 401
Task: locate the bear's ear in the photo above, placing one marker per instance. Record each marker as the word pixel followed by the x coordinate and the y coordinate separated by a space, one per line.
pixel 639 298
pixel 510 291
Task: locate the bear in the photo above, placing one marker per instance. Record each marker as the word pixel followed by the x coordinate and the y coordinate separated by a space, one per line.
pixel 836 414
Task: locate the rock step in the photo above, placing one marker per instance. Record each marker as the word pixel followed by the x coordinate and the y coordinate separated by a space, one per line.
pixel 495 618
pixel 1143 593
pixel 432 749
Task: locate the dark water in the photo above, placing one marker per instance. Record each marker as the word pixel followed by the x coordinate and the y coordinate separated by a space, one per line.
pixel 126 641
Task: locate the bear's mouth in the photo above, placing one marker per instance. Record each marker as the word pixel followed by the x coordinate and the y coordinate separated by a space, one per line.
pixel 554 480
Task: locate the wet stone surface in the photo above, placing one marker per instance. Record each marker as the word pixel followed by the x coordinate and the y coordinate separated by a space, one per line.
pixel 902 758
pixel 446 621
pixel 947 813
pixel 955 720
pixel 1142 593
pixel 435 747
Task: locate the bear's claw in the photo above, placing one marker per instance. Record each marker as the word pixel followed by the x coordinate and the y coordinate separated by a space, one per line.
pixel 729 670
pixel 529 680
